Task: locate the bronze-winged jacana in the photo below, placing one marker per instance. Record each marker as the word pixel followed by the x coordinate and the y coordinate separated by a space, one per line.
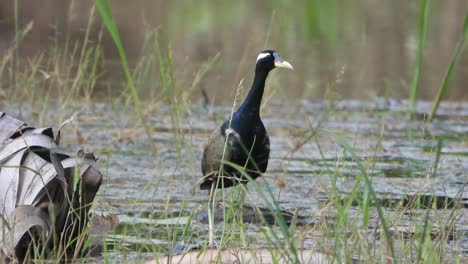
pixel 241 140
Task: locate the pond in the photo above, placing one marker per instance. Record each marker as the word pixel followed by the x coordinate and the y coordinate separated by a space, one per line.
pixel 367 48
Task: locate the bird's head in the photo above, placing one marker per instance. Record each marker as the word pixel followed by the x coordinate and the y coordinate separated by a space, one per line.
pixel 269 59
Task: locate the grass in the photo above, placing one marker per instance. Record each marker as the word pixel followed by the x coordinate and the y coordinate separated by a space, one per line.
pixel 348 223
pixel 345 224
pixel 352 233
pixel 423 19
pixel 108 20
pixel 448 74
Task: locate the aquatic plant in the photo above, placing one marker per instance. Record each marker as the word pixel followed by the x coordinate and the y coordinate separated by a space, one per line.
pixel 448 74
pixel 423 18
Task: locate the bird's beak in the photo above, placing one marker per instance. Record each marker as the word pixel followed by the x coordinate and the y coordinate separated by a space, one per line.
pixel 283 64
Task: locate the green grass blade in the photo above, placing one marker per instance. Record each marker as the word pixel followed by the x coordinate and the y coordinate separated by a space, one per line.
pixel 417 66
pixel 266 194
pixel 448 74
pixel 108 20
pixel 424 234
pixel 372 194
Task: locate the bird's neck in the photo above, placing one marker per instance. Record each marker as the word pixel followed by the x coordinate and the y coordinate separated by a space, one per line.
pixel 254 99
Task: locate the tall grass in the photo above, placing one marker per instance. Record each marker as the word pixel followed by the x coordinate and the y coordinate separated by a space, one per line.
pixel 371 195
pixel 169 86
pixel 448 74
pixel 423 15
pixel 67 71
pixel 423 20
pixel 108 20
pixel 89 59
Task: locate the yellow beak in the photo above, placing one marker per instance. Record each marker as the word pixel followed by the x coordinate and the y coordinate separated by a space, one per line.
pixel 283 64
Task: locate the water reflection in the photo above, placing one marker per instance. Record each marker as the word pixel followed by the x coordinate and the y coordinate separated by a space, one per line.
pixel 361 48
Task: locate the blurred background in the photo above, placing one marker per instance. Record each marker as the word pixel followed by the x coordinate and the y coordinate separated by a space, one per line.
pixel 353 49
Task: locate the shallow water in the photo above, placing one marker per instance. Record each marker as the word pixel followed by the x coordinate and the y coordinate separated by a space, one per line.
pixel 148 186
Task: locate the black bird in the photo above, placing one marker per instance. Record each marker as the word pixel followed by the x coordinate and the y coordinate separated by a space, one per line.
pixel 243 136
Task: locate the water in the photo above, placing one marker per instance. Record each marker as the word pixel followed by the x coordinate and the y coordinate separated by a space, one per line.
pixel 152 190
pixel 364 48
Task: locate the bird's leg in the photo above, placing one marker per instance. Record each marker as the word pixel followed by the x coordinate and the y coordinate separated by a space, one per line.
pixel 210 215
pixel 241 201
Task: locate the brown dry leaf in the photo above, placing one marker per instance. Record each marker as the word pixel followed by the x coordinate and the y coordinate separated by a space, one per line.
pixel 36 180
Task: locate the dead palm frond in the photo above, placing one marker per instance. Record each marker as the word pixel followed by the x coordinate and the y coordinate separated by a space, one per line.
pixel 45 192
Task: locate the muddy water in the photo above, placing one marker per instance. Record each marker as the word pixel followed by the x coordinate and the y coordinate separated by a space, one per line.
pixel 148 185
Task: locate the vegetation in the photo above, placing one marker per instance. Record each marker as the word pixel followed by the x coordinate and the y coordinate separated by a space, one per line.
pixel 417 67
pixel 448 74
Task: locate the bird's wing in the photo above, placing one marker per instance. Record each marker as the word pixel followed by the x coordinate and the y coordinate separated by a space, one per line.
pixel 213 153
pixel 224 144
pixel 262 153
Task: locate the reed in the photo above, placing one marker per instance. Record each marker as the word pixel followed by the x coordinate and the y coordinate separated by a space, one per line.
pixel 448 74
pixel 106 15
pixel 423 18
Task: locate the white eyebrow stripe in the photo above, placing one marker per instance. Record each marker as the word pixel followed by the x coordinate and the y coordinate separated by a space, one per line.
pixel 262 55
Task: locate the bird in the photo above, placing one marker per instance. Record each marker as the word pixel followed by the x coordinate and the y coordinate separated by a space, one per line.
pixel 241 139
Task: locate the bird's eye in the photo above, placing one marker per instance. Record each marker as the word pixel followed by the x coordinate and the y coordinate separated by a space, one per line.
pixel 277 56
